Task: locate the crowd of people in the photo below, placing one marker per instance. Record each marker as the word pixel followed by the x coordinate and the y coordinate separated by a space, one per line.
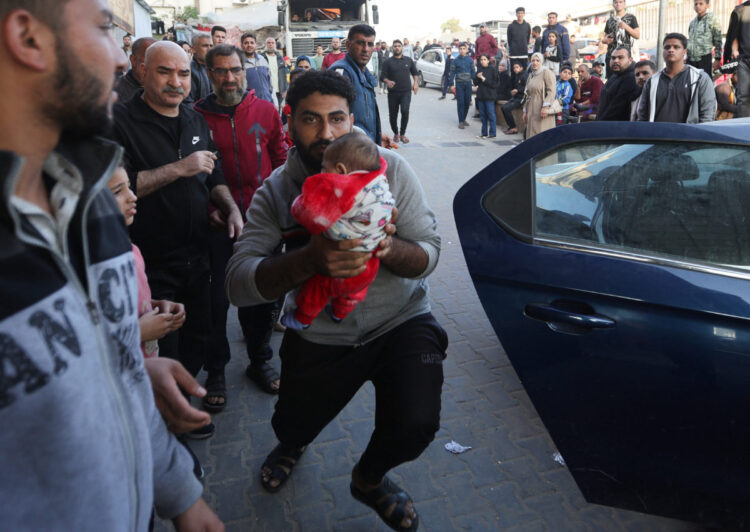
pixel 219 177
pixel 133 225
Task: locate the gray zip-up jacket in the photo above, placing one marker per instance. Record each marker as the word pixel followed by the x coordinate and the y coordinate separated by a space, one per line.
pixel 83 446
pixel 702 100
pixel 391 300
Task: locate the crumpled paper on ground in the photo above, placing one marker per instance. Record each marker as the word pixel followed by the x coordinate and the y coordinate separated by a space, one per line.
pixel 455 447
pixel 557 457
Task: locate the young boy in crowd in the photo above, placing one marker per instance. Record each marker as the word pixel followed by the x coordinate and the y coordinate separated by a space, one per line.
pixel 349 199
pixel 564 94
pixel 704 39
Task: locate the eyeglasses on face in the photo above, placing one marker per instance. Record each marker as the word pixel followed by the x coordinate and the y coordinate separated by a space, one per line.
pixel 225 71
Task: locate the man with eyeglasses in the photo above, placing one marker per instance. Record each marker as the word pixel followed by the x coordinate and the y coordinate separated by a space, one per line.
pixel 248 133
pixel 170 160
pixel 360 44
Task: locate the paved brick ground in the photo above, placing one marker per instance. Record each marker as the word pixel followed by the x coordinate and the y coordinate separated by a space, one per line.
pixel 508 481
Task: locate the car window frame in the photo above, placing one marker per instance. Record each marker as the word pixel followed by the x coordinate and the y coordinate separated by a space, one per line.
pixel 596 248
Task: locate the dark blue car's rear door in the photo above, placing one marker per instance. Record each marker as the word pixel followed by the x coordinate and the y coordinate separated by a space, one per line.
pixel 616 272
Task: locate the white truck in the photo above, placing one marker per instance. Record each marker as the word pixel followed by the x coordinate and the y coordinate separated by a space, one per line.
pixel 307 24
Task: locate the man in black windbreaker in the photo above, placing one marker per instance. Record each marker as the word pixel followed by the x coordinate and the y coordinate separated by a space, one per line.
pixel 620 90
pixel 169 157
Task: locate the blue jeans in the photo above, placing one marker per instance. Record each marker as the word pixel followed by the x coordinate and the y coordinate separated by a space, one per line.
pixel 487 112
pixel 463 100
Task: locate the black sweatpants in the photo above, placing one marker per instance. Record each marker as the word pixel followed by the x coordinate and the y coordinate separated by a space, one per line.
pixel 188 284
pixel 705 63
pixel 507 108
pixel 406 367
pixel 399 100
pixel 256 321
pixel 743 86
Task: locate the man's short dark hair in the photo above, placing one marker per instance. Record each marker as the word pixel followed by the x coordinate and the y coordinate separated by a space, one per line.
pixel 223 50
pixel 360 29
pixel 623 48
pixel 246 35
pixel 217 28
pixel 356 150
pixel 537 29
pixel 678 36
pixel 325 82
pixel 520 9
pixel 567 67
pixel 482 26
pixel 397 41
pixel 138 48
pixel 646 62
pixel 552 13
pixel 48 11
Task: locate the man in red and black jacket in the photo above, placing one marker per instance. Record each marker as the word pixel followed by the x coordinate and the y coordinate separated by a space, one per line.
pixel 248 134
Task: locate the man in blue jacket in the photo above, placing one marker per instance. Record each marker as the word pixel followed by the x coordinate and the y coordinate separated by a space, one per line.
pixel 360 44
pixel 564 39
pixel 462 72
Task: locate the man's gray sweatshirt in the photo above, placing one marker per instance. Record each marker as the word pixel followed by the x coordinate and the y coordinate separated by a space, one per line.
pixel 391 300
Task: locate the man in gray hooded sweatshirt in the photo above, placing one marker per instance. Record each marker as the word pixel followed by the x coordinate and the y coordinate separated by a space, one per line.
pixel 679 92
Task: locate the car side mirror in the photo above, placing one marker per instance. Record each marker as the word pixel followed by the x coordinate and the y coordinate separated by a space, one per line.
pixel 375 15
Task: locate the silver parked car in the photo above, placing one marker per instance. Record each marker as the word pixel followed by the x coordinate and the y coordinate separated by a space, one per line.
pixel 430 67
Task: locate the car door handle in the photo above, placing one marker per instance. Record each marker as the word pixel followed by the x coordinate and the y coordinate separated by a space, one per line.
pixel 553 315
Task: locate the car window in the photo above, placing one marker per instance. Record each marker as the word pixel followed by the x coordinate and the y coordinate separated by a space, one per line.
pixel 686 201
pixel 428 56
pixel 438 57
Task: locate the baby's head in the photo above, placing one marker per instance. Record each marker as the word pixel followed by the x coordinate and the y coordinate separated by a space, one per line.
pixel 349 153
pixel 119 184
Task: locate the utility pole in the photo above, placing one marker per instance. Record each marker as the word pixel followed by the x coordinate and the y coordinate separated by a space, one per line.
pixel 660 38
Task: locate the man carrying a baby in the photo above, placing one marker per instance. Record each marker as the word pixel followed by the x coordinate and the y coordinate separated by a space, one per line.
pixel 390 338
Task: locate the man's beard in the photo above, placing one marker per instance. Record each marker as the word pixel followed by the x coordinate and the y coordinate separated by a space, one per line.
pixel 76 96
pixel 230 98
pixel 305 153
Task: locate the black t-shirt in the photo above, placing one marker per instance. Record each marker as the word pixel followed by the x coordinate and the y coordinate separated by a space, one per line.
pixel 518 38
pixel 401 71
pixel 673 97
pixel 621 37
pixel 171 125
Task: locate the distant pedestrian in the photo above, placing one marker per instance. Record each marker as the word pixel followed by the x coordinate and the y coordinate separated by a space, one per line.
pixel 318 58
pixel 400 76
pixel 200 86
pixel 277 69
pixel 519 33
pixel 517 92
pixel 643 72
pixel 737 48
pixel 563 39
pixel 564 94
pixel 132 82
pixel 620 30
pixel 552 53
pixel 536 34
pixel 461 73
pixel 541 90
pixel 408 50
pixel 336 53
pixel 679 92
pixel 257 72
pixel 486 44
pixel 504 82
pixel 620 89
pixel 486 80
pixel 218 35
pixel 704 39
pixel 444 81
pixel 586 98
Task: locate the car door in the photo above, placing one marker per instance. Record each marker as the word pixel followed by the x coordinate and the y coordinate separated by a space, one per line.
pixel 436 68
pixel 615 271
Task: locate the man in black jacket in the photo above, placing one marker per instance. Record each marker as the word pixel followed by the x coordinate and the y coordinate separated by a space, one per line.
pixel 200 85
pixel 169 157
pixel 519 32
pixel 737 48
pixel 620 90
pixel 129 85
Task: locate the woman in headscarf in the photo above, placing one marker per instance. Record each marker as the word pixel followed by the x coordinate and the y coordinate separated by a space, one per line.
pixel 541 90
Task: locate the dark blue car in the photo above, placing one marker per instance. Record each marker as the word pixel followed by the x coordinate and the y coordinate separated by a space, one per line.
pixel 613 262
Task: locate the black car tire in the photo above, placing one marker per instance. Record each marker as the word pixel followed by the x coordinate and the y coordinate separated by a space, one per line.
pixel 421 80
